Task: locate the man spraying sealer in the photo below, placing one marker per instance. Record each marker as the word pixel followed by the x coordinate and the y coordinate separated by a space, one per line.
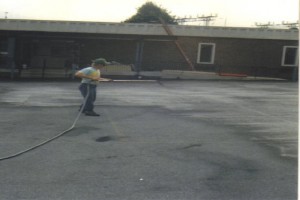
pixel 90 79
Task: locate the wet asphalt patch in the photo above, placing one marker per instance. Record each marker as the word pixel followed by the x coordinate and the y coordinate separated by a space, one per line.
pixel 104 139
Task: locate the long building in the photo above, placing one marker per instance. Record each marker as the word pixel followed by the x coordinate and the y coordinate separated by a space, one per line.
pixel 35 48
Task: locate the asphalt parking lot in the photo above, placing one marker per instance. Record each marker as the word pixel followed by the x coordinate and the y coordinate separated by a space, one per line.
pixel 167 140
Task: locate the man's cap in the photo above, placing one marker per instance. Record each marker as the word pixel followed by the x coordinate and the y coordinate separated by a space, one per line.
pixel 100 61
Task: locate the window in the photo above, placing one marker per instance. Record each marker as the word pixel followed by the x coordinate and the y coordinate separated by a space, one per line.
pixel 206 53
pixel 290 56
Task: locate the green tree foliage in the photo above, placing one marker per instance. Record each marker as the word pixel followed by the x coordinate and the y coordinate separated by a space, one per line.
pixel 150 13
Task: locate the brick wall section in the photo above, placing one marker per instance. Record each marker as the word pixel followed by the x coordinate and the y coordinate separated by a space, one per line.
pixel 247 56
pixel 160 55
pixel 122 51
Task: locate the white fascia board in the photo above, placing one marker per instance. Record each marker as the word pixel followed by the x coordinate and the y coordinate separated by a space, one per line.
pixel 146 29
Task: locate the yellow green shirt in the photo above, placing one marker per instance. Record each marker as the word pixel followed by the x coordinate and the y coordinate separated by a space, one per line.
pixel 90 71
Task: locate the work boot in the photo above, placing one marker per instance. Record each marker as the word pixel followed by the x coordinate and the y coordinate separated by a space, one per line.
pixel 91 113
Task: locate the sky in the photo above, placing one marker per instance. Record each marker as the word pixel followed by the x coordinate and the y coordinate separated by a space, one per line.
pixel 236 13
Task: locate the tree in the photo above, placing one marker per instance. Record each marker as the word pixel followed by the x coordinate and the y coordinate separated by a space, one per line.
pixel 150 13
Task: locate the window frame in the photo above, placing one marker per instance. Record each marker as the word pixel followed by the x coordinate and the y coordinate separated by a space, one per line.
pixel 284 55
pixel 212 53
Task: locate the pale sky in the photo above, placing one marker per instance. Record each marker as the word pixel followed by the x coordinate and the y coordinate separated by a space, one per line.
pixel 244 13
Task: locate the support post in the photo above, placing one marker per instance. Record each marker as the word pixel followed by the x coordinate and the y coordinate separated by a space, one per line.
pixel 11 56
pixel 139 56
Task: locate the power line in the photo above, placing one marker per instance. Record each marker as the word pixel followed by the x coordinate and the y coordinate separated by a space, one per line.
pixel 290 25
pixel 206 19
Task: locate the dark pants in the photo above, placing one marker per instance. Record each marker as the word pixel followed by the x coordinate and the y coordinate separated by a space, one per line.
pixel 91 89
